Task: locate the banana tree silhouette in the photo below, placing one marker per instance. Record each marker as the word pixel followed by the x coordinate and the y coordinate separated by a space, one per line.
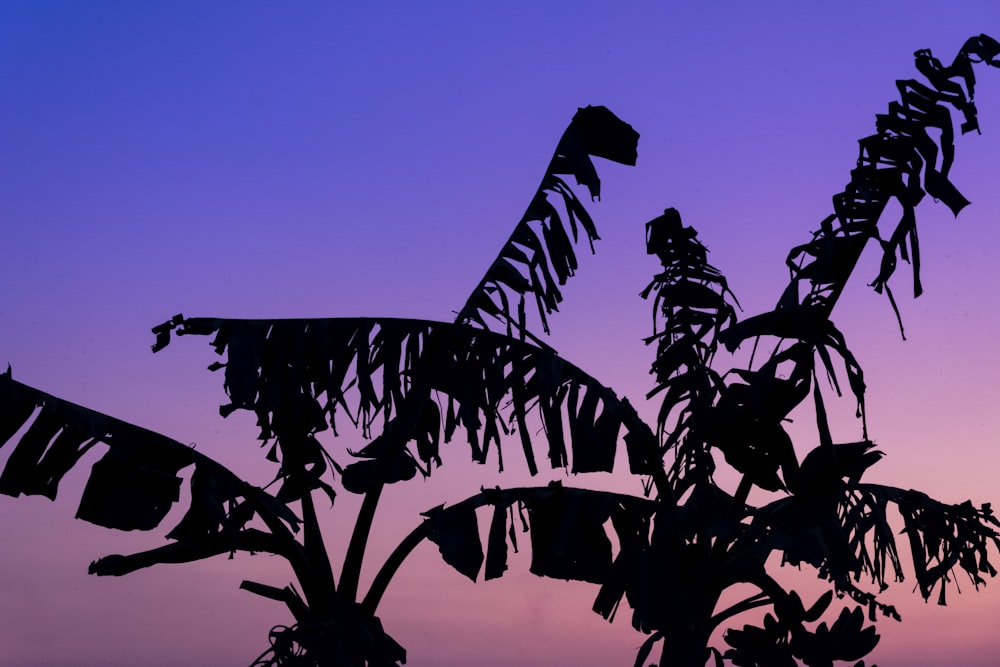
pixel 682 546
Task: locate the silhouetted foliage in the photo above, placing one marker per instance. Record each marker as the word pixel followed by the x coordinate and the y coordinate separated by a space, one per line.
pixel 411 385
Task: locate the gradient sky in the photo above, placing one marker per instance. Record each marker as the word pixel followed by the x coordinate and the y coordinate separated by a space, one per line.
pixel 311 159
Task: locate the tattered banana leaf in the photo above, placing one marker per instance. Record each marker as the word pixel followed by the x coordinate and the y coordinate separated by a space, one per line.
pixel 567 530
pixel 899 162
pixel 368 368
pixel 692 300
pixel 943 538
pixel 841 526
pixel 135 483
pixel 692 304
pixel 539 256
pixel 661 566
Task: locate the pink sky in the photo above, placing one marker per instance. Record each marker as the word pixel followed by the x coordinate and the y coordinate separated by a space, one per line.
pixel 251 160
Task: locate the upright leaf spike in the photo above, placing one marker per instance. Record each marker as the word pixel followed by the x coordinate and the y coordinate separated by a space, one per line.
pixel 539 254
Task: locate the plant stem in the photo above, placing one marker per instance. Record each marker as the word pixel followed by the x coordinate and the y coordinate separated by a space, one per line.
pixel 315 549
pixel 391 566
pixel 351 573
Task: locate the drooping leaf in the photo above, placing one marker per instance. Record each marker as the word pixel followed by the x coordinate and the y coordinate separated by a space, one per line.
pixel 489 383
pixel 134 484
pixel 943 538
pixel 566 525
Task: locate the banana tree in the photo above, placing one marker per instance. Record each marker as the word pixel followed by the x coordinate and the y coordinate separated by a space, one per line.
pixel 684 543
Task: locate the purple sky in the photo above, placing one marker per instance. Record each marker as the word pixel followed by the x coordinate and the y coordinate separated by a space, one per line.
pixel 261 160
